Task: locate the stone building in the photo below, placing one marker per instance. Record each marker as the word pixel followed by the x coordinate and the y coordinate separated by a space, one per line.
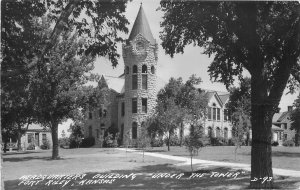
pixel 217 123
pixel 133 94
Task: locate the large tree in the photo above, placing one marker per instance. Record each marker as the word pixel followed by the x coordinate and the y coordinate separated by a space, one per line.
pixel 260 37
pixel 295 118
pixel 58 83
pixel 99 22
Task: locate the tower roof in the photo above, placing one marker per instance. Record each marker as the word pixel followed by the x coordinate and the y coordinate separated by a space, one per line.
pixel 141 26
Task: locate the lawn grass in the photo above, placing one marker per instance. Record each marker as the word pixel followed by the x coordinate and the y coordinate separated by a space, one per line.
pixel 282 157
pixel 91 161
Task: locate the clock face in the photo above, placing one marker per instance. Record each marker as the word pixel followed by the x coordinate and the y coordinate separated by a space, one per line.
pixel 140 46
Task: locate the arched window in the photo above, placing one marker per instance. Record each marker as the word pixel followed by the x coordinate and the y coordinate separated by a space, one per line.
pixel 134 78
pixel 134 69
pixel 144 69
pixel 134 130
pixel 122 131
pixel 144 81
pixel 152 69
pixel 201 129
pixel 218 132
pixel 127 70
pixel 226 133
pixel 210 132
pixel 90 131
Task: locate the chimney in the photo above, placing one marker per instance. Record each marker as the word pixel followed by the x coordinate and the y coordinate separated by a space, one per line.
pixel 290 108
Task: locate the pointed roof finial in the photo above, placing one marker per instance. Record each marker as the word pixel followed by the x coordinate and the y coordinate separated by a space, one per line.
pixel 141 26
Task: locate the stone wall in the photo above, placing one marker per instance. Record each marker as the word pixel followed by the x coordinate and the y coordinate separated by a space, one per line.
pixel 133 57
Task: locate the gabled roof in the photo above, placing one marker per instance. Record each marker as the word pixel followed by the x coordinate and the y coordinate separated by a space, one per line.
pixel 36 127
pixel 283 116
pixel 210 94
pixel 276 128
pixel 276 117
pixel 141 26
pixel 224 98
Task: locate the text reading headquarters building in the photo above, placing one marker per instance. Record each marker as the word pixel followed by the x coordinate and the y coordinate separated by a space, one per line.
pixel 133 94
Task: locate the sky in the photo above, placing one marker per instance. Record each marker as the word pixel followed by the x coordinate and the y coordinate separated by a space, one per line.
pixel 192 61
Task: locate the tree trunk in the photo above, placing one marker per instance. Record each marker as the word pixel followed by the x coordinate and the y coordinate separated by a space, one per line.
pixel 169 141
pixel 19 137
pixel 297 137
pixel 181 133
pixel 192 161
pixel 261 120
pixel 54 130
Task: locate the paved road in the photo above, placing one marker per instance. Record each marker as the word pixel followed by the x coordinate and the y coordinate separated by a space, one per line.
pixel 186 161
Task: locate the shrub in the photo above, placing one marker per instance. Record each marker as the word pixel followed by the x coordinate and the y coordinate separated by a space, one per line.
pixel 64 142
pixel 45 145
pixel 157 142
pixel 275 143
pixel 88 142
pixel 230 142
pixel 218 141
pixel 174 141
pixel 31 146
pixel 288 143
pixel 108 140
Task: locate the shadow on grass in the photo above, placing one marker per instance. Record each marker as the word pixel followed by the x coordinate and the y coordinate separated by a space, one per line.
pixel 279 154
pixel 18 153
pixel 155 150
pixel 29 158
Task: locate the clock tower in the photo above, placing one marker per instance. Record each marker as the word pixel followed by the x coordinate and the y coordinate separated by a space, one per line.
pixel 140 60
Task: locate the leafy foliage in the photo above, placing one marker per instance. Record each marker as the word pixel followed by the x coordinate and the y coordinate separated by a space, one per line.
pixel 177 103
pixel 295 118
pixel 261 38
pixel 76 134
pixel 194 142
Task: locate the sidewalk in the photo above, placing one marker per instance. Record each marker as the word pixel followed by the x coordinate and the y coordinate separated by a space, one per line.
pixel 247 167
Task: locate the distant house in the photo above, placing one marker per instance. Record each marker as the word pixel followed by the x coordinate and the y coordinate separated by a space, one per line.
pixel 217 123
pixel 36 136
pixel 281 126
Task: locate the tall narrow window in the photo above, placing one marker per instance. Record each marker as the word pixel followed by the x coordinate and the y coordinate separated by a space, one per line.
pixel 134 82
pixel 218 114
pixel 210 132
pixel 226 133
pixel 90 131
pixel 122 130
pixel 144 69
pixel 209 113
pixel 225 114
pixel 134 69
pixel 123 109
pixel 44 137
pixel 30 137
pixel 90 115
pixel 144 105
pixel 134 130
pixel 134 105
pixel 104 113
pixel 218 132
pixel 144 81
pixel 214 114
pixel 127 70
pixel 98 133
pixel 152 69
pixel 100 112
